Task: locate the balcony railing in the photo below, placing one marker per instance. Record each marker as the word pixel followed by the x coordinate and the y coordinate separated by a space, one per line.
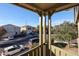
pixel 60 52
pixel 38 51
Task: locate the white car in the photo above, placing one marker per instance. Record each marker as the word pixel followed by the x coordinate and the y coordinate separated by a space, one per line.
pixel 5 39
pixel 10 50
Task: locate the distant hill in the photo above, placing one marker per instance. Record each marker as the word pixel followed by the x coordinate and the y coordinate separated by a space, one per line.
pixel 12 29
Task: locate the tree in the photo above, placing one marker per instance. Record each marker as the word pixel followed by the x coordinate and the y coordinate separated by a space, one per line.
pixel 2 31
pixel 65 32
pixel 68 38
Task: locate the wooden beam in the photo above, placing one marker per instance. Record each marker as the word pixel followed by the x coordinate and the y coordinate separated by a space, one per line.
pixel 57 7
pixel 76 14
pixel 28 6
pixel 33 4
pixel 53 7
pixel 67 6
pixel 62 6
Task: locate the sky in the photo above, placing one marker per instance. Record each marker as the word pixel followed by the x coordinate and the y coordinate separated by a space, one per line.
pixel 12 14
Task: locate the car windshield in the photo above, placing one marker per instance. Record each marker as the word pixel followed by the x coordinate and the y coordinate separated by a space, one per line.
pixel 11 49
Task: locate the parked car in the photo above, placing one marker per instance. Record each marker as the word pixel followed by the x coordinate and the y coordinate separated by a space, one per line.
pixel 5 39
pixel 11 50
pixel 10 37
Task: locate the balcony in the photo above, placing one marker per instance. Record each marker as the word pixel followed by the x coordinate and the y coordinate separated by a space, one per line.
pixel 46 49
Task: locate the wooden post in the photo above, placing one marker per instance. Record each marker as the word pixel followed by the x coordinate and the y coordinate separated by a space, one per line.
pixel 49 33
pixel 49 29
pixel 40 33
pixel 77 20
pixel 40 29
pixel 44 35
pixel 44 30
pixel 78 37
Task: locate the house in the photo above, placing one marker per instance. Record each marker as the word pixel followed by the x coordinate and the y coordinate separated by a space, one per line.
pixel 27 28
pixel 23 28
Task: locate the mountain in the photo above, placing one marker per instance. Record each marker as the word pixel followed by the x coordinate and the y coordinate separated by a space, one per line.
pixel 12 29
